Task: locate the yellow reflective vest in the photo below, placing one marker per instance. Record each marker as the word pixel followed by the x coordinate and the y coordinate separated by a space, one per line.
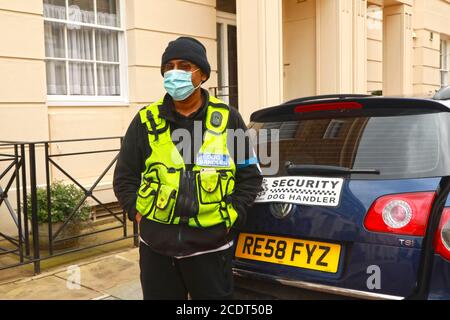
pixel 165 180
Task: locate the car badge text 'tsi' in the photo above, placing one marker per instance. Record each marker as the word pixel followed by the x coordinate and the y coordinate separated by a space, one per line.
pixel 281 210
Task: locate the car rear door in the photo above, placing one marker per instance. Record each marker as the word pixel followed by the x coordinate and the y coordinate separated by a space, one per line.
pixel 348 204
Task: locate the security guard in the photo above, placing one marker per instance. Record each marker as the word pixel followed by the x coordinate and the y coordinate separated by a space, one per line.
pixel 178 178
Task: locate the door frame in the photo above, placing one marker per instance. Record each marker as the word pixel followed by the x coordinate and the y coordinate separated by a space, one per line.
pixel 224 19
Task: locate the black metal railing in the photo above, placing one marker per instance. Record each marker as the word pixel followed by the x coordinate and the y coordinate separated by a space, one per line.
pixel 25 211
pixel 227 93
pixel 19 244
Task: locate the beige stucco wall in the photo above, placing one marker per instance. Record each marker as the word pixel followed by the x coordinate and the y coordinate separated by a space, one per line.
pixel 151 24
pixel 23 89
pixel 23 111
pixel 431 21
pixel 410 56
pixel 325 47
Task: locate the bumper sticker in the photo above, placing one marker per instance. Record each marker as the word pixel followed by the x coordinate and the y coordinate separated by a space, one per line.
pixel 315 191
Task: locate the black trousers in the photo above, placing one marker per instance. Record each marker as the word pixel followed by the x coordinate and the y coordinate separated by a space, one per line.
pixel 204 277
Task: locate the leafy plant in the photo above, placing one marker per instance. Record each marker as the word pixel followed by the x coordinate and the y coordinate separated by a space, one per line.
pixel 64 199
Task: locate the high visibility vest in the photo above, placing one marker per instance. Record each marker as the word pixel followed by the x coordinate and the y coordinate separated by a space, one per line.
pixel 212 176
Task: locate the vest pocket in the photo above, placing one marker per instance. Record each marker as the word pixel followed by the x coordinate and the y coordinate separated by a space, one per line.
pixel 164 203
pixel 210 186
pixel 146 197
pixel 227 181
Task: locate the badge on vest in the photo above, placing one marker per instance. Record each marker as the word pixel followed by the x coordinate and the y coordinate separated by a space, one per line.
pixel 216 119
pixel 213 160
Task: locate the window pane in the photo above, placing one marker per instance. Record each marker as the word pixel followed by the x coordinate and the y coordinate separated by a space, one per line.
pixel 108 78
pixel 81 78
pixel 56 78
pixel 226 6
pixel 55 9
pixel 80 43
pixel 400 147
pixel 107 13
pixel 54 40
pixel 107 45
pixel 81 11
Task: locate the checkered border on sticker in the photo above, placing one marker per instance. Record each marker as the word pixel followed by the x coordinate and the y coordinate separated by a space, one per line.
pixel 301 191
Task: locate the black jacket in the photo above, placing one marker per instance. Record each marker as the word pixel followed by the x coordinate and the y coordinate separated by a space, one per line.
pixel 180 240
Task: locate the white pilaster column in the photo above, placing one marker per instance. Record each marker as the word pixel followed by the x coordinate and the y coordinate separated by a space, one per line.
pixel 360 46
pixel 260 59
pixel 397 50
pixel 341 46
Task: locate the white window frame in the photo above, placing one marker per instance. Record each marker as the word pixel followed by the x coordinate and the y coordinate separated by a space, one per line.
pixel 225 19
pixel 445 62
pixel 69 100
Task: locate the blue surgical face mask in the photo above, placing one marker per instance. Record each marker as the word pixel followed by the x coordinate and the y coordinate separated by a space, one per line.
pixel 178 84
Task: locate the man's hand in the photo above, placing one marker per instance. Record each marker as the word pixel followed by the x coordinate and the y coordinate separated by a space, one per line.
pixel 138 217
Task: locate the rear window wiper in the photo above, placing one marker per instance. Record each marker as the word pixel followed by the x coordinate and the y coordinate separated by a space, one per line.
pixel 325 170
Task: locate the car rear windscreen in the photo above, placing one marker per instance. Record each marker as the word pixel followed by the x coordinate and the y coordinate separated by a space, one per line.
pixel 407 146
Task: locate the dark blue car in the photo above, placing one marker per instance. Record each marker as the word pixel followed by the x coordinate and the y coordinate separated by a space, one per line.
pixel 359 206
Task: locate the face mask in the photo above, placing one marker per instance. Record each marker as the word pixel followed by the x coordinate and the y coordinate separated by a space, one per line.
pixel 178 84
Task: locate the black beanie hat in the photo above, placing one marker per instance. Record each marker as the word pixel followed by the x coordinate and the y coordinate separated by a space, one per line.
pixel 189 49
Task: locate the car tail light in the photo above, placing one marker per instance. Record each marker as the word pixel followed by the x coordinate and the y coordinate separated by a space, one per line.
pixel 442 239
pixel 328 107
pixel 405 214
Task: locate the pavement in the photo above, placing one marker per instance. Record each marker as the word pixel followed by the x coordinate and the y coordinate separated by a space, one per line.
pixel 115 276
pixel 111 277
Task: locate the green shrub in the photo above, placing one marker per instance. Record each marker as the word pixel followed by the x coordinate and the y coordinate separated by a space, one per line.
pixel 64 199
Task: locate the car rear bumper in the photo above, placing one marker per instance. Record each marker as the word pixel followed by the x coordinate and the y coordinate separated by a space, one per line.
pixel 350 293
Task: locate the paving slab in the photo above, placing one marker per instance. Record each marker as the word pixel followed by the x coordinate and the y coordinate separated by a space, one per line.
pixel 130 290
pixel 106 273
pixel 48 288
pixel 110 277
pixel 132 255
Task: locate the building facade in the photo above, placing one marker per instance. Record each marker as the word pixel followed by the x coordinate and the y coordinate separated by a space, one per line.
pixel 75 69
pixel 79 61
